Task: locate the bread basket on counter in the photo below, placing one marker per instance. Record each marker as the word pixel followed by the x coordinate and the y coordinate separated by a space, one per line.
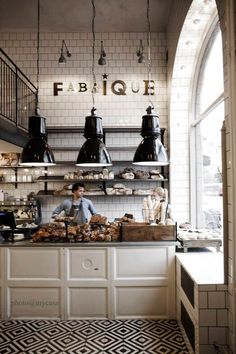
pixel 140 231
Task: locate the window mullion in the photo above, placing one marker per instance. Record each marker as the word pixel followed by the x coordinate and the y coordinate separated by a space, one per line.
pixel 208 110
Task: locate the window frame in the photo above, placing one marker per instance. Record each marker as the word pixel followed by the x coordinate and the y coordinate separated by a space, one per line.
pixel 197 117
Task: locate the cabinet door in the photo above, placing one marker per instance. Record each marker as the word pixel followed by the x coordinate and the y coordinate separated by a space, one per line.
pixel 33 282
pixel 87 283
pixel 144 282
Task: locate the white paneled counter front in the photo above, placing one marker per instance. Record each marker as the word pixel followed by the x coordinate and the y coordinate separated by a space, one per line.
pixel 115 281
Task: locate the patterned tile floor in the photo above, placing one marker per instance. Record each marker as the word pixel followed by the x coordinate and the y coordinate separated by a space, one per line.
pixel 91 337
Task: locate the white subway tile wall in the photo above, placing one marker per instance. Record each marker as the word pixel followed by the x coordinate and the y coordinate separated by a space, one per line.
pixel 71 107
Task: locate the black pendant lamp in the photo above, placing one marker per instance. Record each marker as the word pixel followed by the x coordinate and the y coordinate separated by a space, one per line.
pixel 93 153
pixel 150 151
pixel 37 152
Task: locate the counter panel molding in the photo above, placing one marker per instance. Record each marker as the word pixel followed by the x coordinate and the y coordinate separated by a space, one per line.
pixel 141 301
pixel 36 264
pixel 33 302
pixel 141 263
pixel 117 281
pixel 87 264
pixel 88 302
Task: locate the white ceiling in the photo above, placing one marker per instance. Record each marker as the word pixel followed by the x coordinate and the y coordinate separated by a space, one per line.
pixel 76 15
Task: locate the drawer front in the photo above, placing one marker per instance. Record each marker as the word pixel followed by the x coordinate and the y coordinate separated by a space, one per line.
pixel 141 263
pixel 87 264
pixel 87 302
pixel 33 264
pixel 29 302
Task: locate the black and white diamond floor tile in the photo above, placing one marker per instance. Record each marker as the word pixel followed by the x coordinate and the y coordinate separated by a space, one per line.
pixel 91 337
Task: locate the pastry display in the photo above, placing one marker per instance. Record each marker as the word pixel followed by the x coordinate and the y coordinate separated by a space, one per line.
pixel 9 159
pixel 197 234
pixel 119 189
pixel 98 219
pixel 130 173
pixel 92 174
pixel 97 230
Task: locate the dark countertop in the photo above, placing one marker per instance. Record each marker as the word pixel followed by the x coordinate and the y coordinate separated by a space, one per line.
pixel 29 243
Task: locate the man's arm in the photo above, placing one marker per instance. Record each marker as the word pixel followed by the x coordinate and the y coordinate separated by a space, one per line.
pixel 59 209
pixel 92 208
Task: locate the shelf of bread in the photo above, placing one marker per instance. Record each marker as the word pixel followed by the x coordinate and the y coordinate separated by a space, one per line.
pixel 114 191
pixel 127 174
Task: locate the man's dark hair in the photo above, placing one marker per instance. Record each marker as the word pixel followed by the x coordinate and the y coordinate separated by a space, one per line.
pixel 77 186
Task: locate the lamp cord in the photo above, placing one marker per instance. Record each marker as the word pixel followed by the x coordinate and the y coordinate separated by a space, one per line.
pixel 37 76
pixel 149 53
pixel 93 53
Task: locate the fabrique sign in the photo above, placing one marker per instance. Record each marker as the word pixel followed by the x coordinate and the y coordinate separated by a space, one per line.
pixel 117 87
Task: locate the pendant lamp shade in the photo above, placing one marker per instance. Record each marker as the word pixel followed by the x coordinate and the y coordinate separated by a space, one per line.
pixel 37 152
pixel 150 151
pixel 93 153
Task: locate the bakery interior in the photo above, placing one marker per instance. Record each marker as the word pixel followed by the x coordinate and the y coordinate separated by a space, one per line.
pixel 122 57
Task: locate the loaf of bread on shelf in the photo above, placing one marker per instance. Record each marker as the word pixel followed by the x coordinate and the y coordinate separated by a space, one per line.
pixel 128 175
pixel 142 174
pixel 142 191
pixel 156 174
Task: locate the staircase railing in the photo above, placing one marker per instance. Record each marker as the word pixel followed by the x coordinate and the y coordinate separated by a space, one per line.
pixel 17 93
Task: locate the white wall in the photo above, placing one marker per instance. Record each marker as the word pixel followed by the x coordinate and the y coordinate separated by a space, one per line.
pixel 70 109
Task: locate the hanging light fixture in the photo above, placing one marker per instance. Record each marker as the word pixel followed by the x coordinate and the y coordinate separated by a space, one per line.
pixel 140 53
pixel 37 152
pixel 102 60
pixel 150 151
pixel 93 153
pixel 64 53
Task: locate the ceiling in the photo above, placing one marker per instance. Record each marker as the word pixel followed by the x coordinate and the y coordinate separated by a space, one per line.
pixel 76 15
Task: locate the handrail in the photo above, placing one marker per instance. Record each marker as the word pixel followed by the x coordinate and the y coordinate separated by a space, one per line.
pixel 17 93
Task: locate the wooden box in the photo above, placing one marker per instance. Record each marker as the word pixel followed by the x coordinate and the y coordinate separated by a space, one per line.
pixel 145 232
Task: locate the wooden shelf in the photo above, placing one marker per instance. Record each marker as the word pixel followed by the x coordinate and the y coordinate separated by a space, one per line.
pixel 16 166
pixel 110 148
pixel 107 129
pixel 87 180
pixel 5 182
pixel 50 193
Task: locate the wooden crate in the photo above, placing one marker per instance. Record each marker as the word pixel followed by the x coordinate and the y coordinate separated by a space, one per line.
pixel 145 232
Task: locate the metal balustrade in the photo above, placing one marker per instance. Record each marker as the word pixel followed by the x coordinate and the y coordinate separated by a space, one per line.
pixel 17 93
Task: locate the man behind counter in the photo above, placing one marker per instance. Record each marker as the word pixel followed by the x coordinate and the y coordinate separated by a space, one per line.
pixel 78 207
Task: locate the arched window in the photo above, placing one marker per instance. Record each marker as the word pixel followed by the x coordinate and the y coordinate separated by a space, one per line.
pixel 209 117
